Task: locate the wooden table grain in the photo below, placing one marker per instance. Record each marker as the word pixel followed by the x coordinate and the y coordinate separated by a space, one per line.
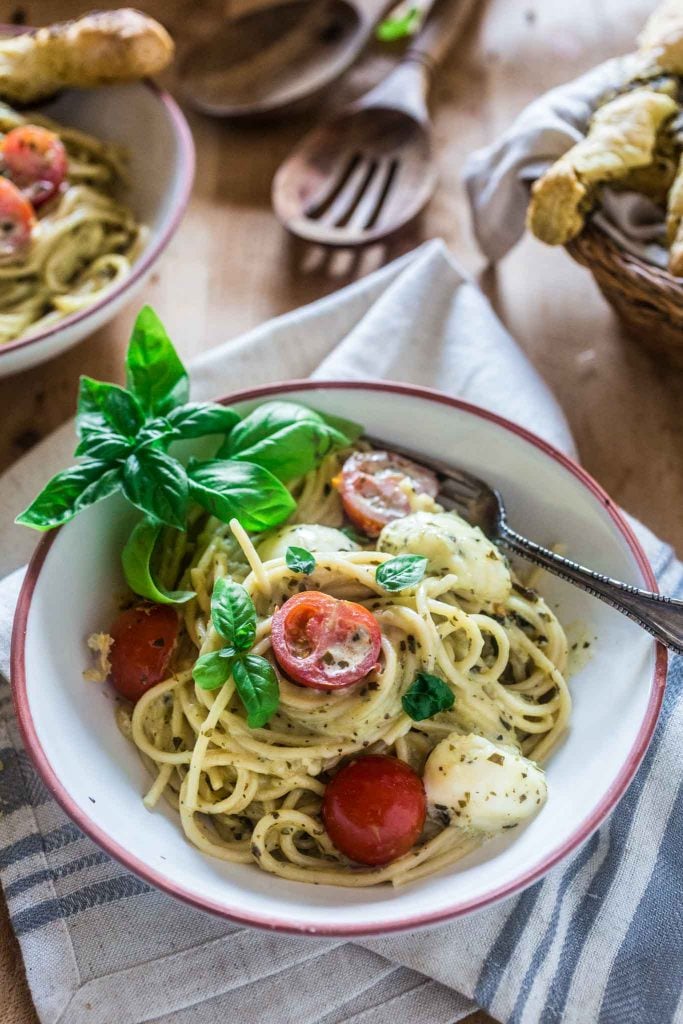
pixel 230 267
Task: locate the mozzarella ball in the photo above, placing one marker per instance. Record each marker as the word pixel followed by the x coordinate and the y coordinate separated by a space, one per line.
pixel 453 547
pixel 303 535
pixel 485 786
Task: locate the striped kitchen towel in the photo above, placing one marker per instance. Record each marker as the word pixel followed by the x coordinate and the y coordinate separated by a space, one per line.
pixel 598 941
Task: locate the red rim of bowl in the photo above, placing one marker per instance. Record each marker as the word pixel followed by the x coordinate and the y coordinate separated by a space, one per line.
pixel 580 835
pixel 186 169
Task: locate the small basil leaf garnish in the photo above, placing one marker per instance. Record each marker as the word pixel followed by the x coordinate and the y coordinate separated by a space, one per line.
pixel 100 403
pixel 240 490
pixel 69 492
pixel 212 670
pixel 300 560
pixel 285 438
pixel 401 572
pixel 137 558
pixel 233 614
pixel 157 484
pixel 154 372
pixel 426 696
pixel 195 419
pixel 258 687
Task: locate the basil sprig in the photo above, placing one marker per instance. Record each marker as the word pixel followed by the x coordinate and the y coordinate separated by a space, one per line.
pixel 300 560
pixel 125 434
pixel 401 572
pixel 426 696
pixel 234 618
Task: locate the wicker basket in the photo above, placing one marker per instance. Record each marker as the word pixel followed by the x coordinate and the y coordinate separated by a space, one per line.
pixel 647 300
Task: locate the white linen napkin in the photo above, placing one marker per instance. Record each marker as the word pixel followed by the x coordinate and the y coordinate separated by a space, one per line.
pixel 498 177
pixel 581 946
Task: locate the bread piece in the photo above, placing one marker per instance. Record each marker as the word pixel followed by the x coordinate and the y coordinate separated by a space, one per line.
pixel 97 49
pixel 622 136
pixel 661 41
pixel 674 223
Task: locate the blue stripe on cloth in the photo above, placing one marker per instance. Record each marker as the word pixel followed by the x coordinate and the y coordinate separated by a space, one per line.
pixel 579 861
pixel 646 977
pixel 504 947
pixel 49 874
pixel 619 827
pixel 19 782
pixel 35 843
pixel 44 913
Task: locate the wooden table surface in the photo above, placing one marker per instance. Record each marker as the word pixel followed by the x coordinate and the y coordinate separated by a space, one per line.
pixel 230 267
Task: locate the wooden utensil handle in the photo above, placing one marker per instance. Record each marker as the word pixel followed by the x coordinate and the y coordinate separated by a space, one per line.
pixel 443 25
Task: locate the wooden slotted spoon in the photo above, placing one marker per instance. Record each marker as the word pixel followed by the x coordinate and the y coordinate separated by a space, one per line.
pixel 276 59
pixel 370 170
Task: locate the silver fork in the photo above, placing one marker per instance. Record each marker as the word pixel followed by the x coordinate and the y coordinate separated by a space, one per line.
pixel 483 506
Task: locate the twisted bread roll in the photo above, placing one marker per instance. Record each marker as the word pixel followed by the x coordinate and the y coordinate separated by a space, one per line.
pixel 98 49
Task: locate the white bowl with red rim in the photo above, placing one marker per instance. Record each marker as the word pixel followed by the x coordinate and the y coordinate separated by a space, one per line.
pixel 69 729
pixel 148 122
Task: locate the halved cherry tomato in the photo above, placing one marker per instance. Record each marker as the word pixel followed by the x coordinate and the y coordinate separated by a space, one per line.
pixel 17 220
pixel 325 643
pixel 35 160
pixel 374 809
pixel 372 487
pixel 144 639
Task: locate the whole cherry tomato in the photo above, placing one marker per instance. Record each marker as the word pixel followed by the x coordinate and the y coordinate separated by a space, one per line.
pixel 144 640
pixel 325 643
pixel 374 809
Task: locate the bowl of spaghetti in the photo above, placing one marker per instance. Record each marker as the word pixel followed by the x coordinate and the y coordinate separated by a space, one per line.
pixel 93 186
pixel 354 688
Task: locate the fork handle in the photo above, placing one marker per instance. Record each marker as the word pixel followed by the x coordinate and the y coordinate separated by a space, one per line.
pixel 661 616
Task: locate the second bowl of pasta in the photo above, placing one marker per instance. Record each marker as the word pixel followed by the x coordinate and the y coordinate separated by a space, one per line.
pixel 93 186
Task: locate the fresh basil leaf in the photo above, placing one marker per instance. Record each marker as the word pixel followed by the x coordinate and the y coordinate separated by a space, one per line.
pixel 300 560
pixel 233 614
pixel 258 687
pixel 99 441
pixel 69 492
pixel 196 419
pixel 137 559
pixel 426 696
pixel 212 670
pixel 156 433
pixel 240 490
pixel 157 484
pixel 100 403
pixel 154 372
pixel 398 27
pixel 401 572
pixel 283 437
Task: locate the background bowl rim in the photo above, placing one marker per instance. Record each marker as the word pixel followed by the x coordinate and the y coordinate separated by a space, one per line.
pixel 185 176
pixel 414 920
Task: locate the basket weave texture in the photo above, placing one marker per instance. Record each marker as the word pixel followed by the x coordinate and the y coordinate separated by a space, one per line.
pixel 647 299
